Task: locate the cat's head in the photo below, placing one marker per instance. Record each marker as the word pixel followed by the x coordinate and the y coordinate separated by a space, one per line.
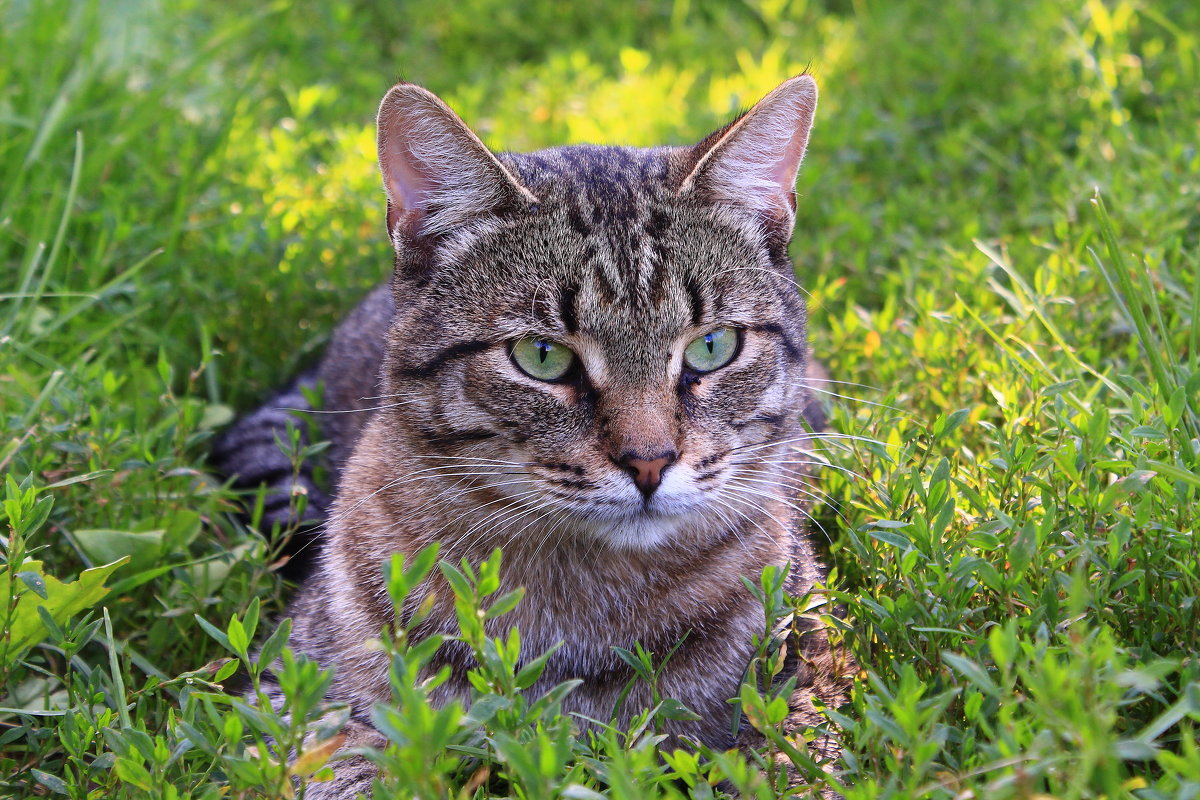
pixel 606 337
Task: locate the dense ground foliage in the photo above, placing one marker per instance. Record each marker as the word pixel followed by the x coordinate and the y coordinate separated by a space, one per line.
pixel 188 202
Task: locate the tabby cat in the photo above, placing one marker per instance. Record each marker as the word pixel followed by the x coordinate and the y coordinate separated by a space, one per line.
pixel 595 358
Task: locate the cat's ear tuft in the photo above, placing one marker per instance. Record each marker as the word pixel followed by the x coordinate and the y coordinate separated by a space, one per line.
pixel 753 161
pixel 437 173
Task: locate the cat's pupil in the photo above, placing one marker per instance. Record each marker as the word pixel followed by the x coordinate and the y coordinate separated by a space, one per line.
pixel 543 350
pixel 708 340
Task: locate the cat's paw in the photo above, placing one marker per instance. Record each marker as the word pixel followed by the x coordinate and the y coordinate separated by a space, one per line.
pixel 352 778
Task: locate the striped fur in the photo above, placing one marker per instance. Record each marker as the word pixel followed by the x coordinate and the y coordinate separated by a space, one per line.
pixel 625 256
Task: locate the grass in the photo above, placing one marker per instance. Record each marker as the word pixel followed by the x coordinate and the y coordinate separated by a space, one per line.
pixel 998 227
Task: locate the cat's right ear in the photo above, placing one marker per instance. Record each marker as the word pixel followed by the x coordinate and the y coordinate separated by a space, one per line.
pixel 753 161
pixel 437 173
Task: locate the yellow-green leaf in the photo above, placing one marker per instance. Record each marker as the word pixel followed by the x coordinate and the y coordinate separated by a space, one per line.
pixel 62 601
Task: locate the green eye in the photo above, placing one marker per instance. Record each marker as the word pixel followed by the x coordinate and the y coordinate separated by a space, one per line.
pixel 712 350
pixel 542 359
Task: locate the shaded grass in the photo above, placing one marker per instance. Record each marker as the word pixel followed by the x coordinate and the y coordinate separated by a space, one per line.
pixel 187 205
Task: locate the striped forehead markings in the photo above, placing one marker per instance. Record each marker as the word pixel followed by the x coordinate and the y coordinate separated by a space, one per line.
pixel 612 202
pixel 616 202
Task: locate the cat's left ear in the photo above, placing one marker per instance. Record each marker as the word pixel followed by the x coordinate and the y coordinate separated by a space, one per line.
pixel 437 173
pixel 753 161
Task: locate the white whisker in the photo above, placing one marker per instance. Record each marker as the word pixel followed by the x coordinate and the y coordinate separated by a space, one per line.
pixel 812 495
pixel 822 464
pixel 750 491
pixel 812 388
pixel 345 410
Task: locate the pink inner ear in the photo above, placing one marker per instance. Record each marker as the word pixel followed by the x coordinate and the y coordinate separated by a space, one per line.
pixel 754 164
pixel 408 113
pixel 408 186
pixel 785 169
pixel 437 173
pixel 407 190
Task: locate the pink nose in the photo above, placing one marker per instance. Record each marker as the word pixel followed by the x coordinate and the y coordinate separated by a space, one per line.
pixel 647 472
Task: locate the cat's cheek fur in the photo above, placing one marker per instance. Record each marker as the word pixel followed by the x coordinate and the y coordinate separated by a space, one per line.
pixel 539 417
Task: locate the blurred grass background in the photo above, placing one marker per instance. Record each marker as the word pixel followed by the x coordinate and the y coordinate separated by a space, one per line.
pixel 188 203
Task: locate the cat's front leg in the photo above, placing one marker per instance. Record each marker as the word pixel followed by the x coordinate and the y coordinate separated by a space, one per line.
pixel 353 774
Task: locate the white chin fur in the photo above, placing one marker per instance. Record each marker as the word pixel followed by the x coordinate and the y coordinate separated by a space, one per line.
pixel 640 530
pixel 629 524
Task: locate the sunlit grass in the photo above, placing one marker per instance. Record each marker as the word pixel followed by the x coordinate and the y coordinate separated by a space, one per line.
pixel 188 204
